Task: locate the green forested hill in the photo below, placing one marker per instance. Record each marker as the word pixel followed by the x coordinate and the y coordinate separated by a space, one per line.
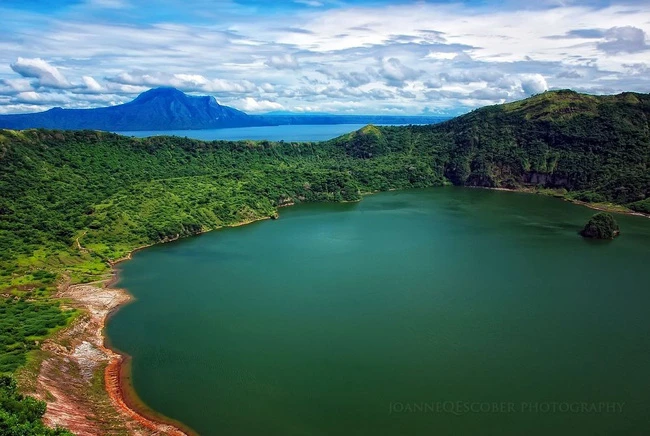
pixel 596 147
pixel 72 201
pixel 77 199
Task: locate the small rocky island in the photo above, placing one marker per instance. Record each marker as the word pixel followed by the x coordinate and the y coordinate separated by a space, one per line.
pixel 601 226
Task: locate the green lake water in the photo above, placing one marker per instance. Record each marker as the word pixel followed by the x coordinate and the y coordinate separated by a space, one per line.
pixel 409 313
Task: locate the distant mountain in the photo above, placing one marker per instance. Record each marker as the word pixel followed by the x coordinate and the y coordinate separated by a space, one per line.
pixel 156 109
pixel 171 109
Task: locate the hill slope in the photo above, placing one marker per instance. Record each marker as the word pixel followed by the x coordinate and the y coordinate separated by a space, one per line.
pixel 72 201
pixel 121 192
pixel 595 147
pixel 156 109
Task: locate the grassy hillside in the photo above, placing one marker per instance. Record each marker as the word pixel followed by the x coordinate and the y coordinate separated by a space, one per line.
pixel 70 202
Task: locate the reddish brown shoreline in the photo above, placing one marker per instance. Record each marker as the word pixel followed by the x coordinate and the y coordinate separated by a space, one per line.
pixel 80 377
pixel 117 374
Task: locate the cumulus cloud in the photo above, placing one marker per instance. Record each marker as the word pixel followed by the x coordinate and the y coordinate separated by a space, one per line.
pixel 36 98
pixel 533 84
pixel 395 73
pixel 506 88
pixel 121 88
pixel 570 74
pixel 354 79
pixel 379 94
pixel 433 84
pixel 249 104
pixel 478 74
pixel 283 62
pixel 91 84
pixel 267 87
pixel 580 34
pixel 627 39
pixel 184 82
pixel 351 58
pixel 45 74
pixel 13 86
pixel 638 69
pixel 490 94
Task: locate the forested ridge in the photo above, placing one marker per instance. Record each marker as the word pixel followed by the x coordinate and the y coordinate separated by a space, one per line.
pixel 72 201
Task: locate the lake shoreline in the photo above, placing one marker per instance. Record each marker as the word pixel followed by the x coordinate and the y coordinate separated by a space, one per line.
pixel 73 396
pixel 125 393
pixel 117 377
pixel 603 207
pixel 77 374
pixel 118 373
pixel 528 223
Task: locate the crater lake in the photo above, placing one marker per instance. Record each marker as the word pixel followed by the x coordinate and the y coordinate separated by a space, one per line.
pixel 446 311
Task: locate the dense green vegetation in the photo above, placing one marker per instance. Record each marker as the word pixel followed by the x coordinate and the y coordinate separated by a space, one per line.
pixel 598 148
pixel 71 202
pixel 21 415
pixel 601 226
pixel 86 197
pixel 22 324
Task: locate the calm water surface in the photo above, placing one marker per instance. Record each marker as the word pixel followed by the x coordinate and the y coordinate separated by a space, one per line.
pixel 272 133
pixel 371 318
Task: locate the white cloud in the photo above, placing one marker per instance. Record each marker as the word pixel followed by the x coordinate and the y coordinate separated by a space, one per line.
pixel 441 56
pixel 249 104
pixel 45 74
pixel 396 73
pixel 13 108
pixel 267 87
pixel 283 62
pixel 36 98
pixel 354 79
pixel 627 39
pixel 91 84
pixel 184 82
pixel 533 84
pixel 341 57
pixel 11 86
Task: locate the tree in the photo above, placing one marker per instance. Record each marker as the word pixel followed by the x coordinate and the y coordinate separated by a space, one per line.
pixel 601 226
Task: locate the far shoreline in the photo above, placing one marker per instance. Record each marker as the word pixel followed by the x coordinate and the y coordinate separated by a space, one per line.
pixel 603 207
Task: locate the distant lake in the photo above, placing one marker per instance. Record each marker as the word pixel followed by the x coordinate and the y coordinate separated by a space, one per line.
pixel 444 311
pixel 289 133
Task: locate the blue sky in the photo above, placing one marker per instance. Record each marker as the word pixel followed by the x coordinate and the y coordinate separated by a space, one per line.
pixel 337 56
